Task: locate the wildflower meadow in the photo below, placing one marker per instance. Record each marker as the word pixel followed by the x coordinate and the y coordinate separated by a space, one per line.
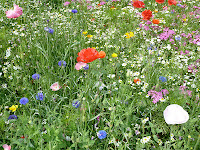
pixel 100 75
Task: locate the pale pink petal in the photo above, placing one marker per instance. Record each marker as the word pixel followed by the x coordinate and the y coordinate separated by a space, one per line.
pixel 12 14
pixel 175 114
pixel 18 9
pixel 55 86
pixel 6 147
pixel 80 65
pixel 66 3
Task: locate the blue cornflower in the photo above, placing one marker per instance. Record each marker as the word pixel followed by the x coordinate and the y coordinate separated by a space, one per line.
pixel 75 103
pixel 35 76
pixel 40 96
pixel 178 5
pixel 12 117
pixel 149 48
pixel 163 79
pixel 178 38
pixel 46 28
pixel 62 63
pixel 102 134
pixel 23 101
pixel 86 67
pixel 74 11
pixel 51 30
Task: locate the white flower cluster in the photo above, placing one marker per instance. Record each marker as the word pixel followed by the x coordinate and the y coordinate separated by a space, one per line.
pixel 145 139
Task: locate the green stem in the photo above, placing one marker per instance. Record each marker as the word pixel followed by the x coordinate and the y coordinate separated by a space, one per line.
pixel 197 143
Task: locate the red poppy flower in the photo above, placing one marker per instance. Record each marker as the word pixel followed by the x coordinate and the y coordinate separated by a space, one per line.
pixel 155 21
pixel 147 14
pixel 172 2
pixel 87 55
pixel 138 4
pixel 160 1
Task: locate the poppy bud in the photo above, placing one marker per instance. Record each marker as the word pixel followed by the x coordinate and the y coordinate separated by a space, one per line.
pixel 102 54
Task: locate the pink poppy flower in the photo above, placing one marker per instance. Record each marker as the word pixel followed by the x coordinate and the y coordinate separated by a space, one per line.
pixel 18 9
pixel 80 65
pixel 175 114
pixel 14 13
pixel 6 147
pixel 55 86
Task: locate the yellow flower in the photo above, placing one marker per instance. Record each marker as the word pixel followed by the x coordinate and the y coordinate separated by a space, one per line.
pixel 129 35
pixel 184 19
pixel 89 36
pixel 85 32
pixel 114 55
pixel 189 136
pixel 156 10
pixel 13 108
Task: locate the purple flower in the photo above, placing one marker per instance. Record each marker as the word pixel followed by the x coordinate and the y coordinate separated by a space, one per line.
pixel 179 5
pixel 51 30
pixel 102 134
pixel 40 96
pixel 86 67
pixel 182 88
pixel 12 117
pixel 178 38
pixel 102 3
pixel 149 48
pixel 137 132
pixel 46 29
pixel 23 101
pixel 156 96
pixel 163 79
pixel 165 92
pixel 146 28
pixel 89 7
pixel 35 76
pixel 74 11
pixel 75 103
pixel 148 22
pixel 62 63
pixel 189 93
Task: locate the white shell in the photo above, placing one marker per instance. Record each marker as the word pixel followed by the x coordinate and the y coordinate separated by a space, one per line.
pixel 175 114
